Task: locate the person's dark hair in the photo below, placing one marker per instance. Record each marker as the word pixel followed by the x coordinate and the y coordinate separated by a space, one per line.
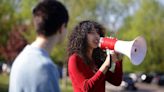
pixel 49 15
pixel 78 41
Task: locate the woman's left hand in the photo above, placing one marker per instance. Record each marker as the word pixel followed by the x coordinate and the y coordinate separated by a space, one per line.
pixel 116 57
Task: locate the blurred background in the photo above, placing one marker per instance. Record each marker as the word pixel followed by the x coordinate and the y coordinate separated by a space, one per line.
pixel 124 19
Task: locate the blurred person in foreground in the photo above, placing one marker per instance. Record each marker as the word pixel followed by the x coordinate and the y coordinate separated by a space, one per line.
pixel 33 70
pixel 88 65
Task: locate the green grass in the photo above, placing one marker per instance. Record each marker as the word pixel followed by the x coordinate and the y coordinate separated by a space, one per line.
pixel 4 81
pixel 66 86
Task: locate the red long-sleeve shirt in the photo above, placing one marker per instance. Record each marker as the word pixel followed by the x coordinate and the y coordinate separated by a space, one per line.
pixel 85 80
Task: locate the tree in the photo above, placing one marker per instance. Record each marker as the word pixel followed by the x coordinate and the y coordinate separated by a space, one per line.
pixel 147 21
pixel 14 21
pixel 15 43
pixel 6 19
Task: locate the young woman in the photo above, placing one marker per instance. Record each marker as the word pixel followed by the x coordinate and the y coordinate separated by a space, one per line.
pixel 88 65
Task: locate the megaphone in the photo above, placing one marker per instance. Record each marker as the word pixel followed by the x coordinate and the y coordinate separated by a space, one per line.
pixel 135 50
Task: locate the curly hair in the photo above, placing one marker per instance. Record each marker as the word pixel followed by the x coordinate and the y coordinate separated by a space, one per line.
pixel 78 41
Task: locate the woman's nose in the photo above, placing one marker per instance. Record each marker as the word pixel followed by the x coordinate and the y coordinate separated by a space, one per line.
pixel 97 35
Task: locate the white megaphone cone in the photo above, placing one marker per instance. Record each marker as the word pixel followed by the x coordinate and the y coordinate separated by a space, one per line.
pixel 135 50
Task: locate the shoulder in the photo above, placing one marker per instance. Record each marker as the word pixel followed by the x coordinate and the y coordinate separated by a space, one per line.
pixel 74 58
pixel 75 61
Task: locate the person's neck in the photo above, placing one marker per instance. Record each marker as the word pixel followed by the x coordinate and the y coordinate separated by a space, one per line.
pixel 89 53
pixel 44 43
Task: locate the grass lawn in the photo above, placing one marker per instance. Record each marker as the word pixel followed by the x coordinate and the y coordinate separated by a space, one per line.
pixel 66 87
pixel 4 81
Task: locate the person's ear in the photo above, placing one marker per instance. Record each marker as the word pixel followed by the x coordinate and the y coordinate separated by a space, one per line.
pixel 62 28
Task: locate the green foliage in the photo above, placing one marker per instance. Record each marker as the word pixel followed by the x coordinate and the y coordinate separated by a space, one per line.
pixel 147 21
pixel 23 15
pixel 6 19
pixel 13 15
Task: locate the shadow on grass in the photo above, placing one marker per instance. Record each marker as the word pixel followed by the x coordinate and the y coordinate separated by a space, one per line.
pixel 3 88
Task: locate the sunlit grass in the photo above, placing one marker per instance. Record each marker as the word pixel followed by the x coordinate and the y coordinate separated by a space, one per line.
pixel 66 86
pixel 4 81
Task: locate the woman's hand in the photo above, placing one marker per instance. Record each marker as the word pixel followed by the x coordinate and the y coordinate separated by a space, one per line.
pixel 116 57
pixel 105 66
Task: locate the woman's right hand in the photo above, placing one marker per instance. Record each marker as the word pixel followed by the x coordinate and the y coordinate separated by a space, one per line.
pixel 107 61
pixel 105 66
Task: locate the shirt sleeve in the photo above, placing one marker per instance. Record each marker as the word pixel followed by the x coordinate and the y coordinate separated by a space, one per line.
pixel 49 78
pixel 115 77
pixel 79 75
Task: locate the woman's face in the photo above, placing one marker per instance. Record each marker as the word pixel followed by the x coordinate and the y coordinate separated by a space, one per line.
pixel 93 39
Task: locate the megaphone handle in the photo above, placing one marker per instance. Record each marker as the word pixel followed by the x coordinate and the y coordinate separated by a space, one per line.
pixel 112 64
pixel 108 52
